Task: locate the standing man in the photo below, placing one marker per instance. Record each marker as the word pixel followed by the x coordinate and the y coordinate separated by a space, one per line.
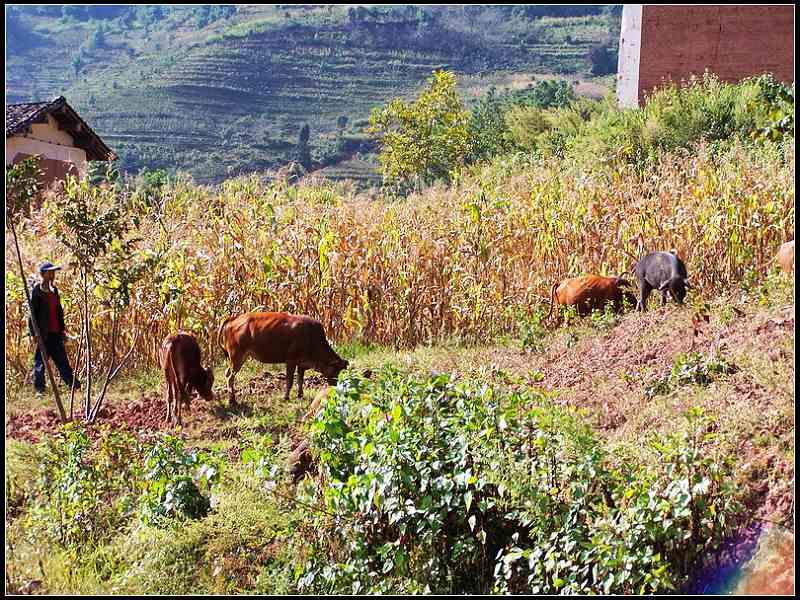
pixel 46 309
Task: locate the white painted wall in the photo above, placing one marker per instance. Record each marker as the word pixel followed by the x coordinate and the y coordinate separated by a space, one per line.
pixel 630 43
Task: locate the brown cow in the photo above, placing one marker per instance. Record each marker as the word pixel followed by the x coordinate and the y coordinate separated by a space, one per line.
pixel 272 337
pixel 786 257
pixel 590 292
pixel 180 358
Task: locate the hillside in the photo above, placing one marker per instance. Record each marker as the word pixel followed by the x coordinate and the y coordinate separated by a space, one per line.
pixel 223 94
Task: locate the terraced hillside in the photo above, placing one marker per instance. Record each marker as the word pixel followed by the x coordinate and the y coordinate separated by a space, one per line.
pixel 230 96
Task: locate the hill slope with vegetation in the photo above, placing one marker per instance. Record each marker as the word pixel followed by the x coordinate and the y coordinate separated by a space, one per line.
pixel 223 90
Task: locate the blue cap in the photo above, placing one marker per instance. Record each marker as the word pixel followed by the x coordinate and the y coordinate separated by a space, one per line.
pixel 48 266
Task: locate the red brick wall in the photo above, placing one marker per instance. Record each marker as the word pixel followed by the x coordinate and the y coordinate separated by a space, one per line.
pixel 732 41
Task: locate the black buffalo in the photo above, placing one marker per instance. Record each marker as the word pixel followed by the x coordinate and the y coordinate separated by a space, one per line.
pixel 662 271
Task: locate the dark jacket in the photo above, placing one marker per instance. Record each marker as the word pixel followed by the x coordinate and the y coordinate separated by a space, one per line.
pixel 39 310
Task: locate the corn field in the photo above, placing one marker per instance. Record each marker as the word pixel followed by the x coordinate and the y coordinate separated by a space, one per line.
pixel 467 261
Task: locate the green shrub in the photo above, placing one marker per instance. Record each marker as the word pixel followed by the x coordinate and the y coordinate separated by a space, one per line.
pixel 690 369
pixel 84 493
pixel 172 482
pixel 437 486
pixel 532 331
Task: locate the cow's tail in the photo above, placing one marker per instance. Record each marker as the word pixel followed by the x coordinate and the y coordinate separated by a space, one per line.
pixel 219 336
pixel 552 300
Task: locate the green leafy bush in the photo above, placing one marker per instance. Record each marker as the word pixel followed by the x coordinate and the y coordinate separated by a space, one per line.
pixel 83 493
pixel 532 331
pixel 173 481
pixel 438 486
pixel 688 369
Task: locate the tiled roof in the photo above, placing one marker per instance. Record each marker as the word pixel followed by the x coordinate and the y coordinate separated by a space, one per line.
pixel 20 116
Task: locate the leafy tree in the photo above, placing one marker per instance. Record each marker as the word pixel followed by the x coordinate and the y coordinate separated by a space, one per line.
pixel 97 225
pixel 487 127
pixel 499 122
pixel 105 11
pixel 303 153
pixel 603 60
pixel 426 139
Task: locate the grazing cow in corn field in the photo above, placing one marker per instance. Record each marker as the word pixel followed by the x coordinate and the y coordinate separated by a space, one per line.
pixel 272 337
pixel 786 257
pixel 180 359
pixel 590 292
pixel 662 271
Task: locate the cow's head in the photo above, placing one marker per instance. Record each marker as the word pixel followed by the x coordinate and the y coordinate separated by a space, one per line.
pixel 205 384
pixel 677 287
pixel 331 372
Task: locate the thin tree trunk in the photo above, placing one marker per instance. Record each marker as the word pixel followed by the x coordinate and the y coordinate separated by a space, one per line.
pixel 77 366
pixel 99 400
pixel 112 375
pixel 88 324
pixel 37 334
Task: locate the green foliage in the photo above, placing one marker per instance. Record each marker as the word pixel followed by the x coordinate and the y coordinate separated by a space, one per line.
pixel 502 123
pixel 605 319
pixel 103 172
pixel 487 127
pixel 693 368
pixel 706 109
pixel 83 493
pixel 532 332
pixel 603 59
pixel 675 117
pixel 627 529
pixel 422 141
pixel 23 182
pixel 439 486
pixel 776 99
pixel 174 480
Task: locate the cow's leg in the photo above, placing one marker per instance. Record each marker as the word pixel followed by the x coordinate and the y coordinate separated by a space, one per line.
pixel 236 362
pixel 174 398
pixel 300 373
pixel 181 400
pixel 289 379
pixel 644 293
pixel 664 297
pixel 168 397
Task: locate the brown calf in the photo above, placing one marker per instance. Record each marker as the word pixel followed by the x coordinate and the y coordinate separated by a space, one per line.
pixel 179 356
pixel 588 293
pixel 271 337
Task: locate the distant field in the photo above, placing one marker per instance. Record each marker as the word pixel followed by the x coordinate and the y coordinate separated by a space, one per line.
pixel 230 97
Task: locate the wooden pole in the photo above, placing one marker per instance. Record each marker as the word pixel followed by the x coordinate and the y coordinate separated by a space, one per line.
pixel 36 332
